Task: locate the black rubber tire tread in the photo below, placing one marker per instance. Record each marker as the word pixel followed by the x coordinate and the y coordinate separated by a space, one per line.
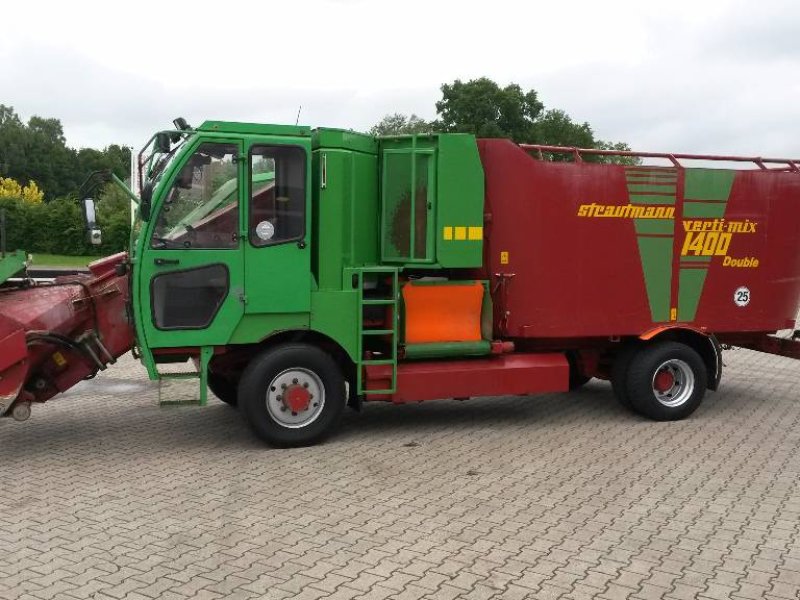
pixel 263 369
pixel 223 388
pixel 640 376
pixel 619 374
pixel 576 379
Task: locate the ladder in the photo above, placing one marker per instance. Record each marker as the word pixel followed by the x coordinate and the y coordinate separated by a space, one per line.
pixel 367 334
pixel 201 373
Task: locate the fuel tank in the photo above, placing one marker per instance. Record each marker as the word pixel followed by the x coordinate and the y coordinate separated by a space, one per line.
pixel 58 333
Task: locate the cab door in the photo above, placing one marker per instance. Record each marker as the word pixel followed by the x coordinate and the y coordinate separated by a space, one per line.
pixel 277 249
pixel 192 266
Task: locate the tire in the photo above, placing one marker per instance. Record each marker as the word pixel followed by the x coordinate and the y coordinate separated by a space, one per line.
pixel 576 379
pixel 619 374
pixel 292 395
pixel 666 381
pixel 223 388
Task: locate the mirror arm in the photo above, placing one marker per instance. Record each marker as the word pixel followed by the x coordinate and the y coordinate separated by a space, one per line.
pixel 124 187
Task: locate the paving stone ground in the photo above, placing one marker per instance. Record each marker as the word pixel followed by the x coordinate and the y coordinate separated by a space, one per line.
pixel 105 495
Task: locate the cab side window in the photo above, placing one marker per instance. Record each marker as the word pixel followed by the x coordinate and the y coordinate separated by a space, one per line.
pixel 277 194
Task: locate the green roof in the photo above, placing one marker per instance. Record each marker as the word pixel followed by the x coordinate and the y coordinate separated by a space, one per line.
pixel 255 128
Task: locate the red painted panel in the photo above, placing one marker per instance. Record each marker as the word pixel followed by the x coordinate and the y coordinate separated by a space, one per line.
pixel 772 202
pixel 557 275
pixel 504 375
pixel 70 307
pixel 572 277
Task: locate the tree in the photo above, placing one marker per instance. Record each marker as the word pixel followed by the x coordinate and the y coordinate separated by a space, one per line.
pixel 630 161
pixel 10 188
pixel 482 107
pixel 399 124
pixel 37 151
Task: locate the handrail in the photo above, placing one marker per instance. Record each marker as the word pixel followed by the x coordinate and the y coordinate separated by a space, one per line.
pixel 791 163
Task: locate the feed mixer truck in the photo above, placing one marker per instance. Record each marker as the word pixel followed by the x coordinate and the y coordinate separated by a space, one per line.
pixel 298 271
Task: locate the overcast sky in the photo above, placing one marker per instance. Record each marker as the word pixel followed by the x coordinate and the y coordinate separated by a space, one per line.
pixel 690 76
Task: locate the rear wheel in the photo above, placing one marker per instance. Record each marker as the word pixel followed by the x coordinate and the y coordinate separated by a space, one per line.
pixel 293 395
pixel 666 381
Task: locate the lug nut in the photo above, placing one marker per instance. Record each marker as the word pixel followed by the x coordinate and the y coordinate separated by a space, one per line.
pixel 305 384
pixel 294 381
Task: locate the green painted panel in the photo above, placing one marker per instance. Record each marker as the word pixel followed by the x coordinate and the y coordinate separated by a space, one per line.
pixel 255 128
pixel 254 328
pixel 345 214
pixel 708 184
pixel 166 264
pixel 447 349
pixel 656 253
pixel 447 172
pixel 336 315
pixel 652 199
pixel 691 286
pixel 705 210
pixel 460 198
pixel 659 189
pixel 278 276
pixel 662 226
pixel 343 139
pixel 11 264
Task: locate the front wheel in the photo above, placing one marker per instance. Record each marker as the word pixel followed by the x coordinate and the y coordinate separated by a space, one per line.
pixel 223 388
pixel 666 381
pixel 292 395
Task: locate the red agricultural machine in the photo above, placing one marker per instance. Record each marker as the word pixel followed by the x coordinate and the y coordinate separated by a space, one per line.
pixel 301 271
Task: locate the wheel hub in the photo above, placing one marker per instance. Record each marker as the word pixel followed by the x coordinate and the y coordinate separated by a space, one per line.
pixel 664 381
pixel 673 383
pixel 297 398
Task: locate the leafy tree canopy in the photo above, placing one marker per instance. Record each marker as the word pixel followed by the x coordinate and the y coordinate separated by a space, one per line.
pixel 399 124
pixel 482 107
pixel 37 151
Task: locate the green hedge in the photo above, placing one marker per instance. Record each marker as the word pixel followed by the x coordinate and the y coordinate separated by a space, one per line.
pixel 56 227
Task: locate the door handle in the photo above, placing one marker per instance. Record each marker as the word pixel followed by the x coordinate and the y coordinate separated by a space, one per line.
pixel 166 261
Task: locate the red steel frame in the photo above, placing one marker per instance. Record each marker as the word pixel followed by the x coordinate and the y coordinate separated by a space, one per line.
pixel 672 157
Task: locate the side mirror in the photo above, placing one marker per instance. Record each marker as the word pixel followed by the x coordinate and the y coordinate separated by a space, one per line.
pixel 146 199
pixel 163 143
pixel 90 220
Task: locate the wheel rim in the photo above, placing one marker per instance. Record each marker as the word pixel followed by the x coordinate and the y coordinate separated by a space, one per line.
pixel 673 383
pixel 295 398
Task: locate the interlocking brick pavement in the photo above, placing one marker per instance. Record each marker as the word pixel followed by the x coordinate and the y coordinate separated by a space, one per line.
pixel 105 495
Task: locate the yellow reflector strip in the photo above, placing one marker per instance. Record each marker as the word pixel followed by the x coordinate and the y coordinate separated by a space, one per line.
pixel 673 314
pixel 461 233
pixel 447 233
pixel 475 233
